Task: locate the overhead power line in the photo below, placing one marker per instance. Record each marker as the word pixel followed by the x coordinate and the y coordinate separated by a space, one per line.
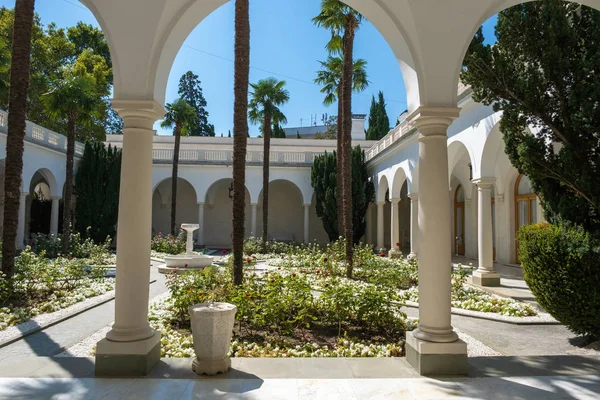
pixel 273 72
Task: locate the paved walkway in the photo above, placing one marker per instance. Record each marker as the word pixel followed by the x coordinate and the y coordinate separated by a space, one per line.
pixel 511 280
pixel 57 338
pixel 384 378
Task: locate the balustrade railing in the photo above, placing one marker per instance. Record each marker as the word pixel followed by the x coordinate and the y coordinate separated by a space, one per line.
pixel 42 136
pixel 226 156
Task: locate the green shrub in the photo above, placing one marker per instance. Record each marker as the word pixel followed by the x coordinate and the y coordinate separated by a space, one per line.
pixel 51 247
pixel 169 244
pixel 562 269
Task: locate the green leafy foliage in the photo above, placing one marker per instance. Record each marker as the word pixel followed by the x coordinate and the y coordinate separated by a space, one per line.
pixel 190 90
pixel 323 181
pixel 562 268
pixel 169 244
pixel 97 186
pixel 543 73
pixel 379 123
pixel 79 247
pixel 55 50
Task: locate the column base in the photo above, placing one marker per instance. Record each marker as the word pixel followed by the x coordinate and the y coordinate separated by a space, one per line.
pixel 393 253
pixel 429 358
pixel 127 358
pixel 480 278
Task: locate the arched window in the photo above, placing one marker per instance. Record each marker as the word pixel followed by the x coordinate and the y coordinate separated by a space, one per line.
pixel 459 221
pixel 525 205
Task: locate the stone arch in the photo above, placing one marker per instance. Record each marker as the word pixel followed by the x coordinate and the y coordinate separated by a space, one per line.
pixel 187 205
pixel 169 24
pixel 382 189
pixel 47 175
pixel 286 213
pixel 218 211
pixel 399 180
pixel 486 13
pixel 459 158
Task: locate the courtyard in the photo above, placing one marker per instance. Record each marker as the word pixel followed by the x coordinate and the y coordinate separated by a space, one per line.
pixel 161 241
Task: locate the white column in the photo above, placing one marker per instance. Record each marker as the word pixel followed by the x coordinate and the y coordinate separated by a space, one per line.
pixel 414 224
pixel 131 341
pixel 306 223
pixel 200 236
pixel 380 226
pixel 434 347
pixel 254 212
pixel 21 222
pixel 485 274
pixel 54 215
pixel 395 223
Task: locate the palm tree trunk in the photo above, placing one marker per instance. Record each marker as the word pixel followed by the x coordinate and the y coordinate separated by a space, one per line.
pixel 17 114
pixel 338 163
pixel 174 177
pixel 240 133
pixel 348 45
pixel 69 181
pixel 265 193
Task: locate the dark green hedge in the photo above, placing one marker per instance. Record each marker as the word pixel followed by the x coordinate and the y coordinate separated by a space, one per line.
pixel 562 269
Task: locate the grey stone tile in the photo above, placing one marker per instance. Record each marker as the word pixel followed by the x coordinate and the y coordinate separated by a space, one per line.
pixel 327 389
pixel 272 389
pixel 323 368
pixel 268 368
pixel 159 389
pixel 379 368
pixel 216 389
pixel 379 389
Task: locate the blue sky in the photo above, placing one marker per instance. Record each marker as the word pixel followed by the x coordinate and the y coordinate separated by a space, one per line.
pixel 284 44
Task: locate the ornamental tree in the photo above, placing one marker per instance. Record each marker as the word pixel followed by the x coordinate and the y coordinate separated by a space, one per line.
pixel 543 73
pixel 323 181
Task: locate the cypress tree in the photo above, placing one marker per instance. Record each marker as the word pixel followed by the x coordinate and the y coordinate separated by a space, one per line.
pixel 97 189
pixel 323 180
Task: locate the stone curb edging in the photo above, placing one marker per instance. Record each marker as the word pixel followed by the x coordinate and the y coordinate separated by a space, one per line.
pixel 99 300
pixel 536 320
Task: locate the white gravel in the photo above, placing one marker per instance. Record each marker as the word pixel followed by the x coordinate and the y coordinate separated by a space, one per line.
pixel 474 347
pixel 43 320
pixel 87 346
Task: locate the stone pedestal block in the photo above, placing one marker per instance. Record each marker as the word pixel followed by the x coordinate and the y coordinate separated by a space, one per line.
pixel 212 329
pixel 480 278
pixel 430 358
pixel 127 358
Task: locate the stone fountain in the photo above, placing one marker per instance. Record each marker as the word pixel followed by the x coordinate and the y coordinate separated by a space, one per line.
pixel 189 260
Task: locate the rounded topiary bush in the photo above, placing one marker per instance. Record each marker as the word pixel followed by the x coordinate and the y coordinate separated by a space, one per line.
pixel 562 268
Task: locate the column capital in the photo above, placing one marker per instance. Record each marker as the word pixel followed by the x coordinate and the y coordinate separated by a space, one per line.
pixel 201 203
pixel 395 200
pixel 307 205
pixel 55 197
pixel 499 197
pixel 433 121
pixel 254 204
pixel 414 196
pixel 138 113
pixel 484 182
pixel 380 203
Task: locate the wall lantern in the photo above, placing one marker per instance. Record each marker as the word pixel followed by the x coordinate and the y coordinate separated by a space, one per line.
pixel 231 191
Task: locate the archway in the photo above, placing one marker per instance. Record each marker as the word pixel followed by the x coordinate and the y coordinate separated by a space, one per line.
pixel 187 205
pixel 525 206
pixel 42 211
pixel 286 212
pixel 459 221
pixel 218 208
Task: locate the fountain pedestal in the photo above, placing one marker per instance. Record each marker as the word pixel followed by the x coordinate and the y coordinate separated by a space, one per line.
pixel 189 260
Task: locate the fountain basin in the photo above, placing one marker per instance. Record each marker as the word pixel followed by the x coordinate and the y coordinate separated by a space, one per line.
pixel 188 261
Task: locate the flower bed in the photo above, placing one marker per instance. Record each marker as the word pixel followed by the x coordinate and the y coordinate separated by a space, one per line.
pixel 280 315
pixel 42 285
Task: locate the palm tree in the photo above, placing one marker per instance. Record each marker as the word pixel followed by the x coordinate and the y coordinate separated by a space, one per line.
pixel 338 17
pixel 76 97
pixel 268 95
pixel 17 114
pixel 180 115
pixel 240 133
pixel 330 77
